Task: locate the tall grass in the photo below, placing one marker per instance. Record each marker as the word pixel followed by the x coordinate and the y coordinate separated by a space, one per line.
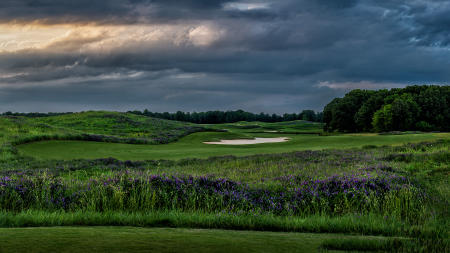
pixel 384 194
pixel 369 224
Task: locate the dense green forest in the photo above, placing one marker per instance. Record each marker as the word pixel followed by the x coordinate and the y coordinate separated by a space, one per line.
pixel 423 108
pixel 217 117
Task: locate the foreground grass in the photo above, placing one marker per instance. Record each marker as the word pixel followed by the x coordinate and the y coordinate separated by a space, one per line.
pixel 356 224
pixel 192 146
pixel 240 237
pixel 130 239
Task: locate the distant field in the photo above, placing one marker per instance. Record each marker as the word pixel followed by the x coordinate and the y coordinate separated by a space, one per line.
pixel 296 126
pixel 130 239
pixel 192 146
pixel 129 128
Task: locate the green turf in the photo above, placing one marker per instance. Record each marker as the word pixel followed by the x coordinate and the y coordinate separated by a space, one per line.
pixel 192 146
pixel 129 239
pixel 296 126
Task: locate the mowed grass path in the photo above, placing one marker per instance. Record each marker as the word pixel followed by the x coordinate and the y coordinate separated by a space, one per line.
pixel 131 239
pixel 192 146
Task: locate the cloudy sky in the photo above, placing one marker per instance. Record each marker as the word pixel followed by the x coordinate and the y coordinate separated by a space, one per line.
pixel 196 55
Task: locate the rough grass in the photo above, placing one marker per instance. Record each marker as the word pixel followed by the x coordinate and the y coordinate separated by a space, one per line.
pixel 100 126
pixel 123 125
pixel 367 225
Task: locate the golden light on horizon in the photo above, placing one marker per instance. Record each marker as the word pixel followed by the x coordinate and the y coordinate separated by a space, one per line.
pixel 18 37
pixel 86 37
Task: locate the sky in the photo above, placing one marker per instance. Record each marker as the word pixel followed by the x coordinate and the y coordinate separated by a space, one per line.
pixel 271 56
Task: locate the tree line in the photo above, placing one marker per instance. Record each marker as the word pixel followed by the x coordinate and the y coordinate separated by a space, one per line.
pixel 423 108
pixel 216 117
pixel 34 114
pixel 209 117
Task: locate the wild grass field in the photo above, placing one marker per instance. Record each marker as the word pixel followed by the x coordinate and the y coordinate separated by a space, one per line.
pixel 351 191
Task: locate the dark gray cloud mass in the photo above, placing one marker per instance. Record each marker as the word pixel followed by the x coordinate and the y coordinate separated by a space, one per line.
pixel 269 55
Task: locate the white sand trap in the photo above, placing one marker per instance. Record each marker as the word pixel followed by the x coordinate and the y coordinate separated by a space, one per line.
pixel 249 141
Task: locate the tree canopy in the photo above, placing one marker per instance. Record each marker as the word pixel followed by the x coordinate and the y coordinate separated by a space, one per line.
pixel 424 108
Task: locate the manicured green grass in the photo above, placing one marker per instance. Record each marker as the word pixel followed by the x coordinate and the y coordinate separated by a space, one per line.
pixel 130 239
pixel 354 244
pixel 296 126
pixel 192 146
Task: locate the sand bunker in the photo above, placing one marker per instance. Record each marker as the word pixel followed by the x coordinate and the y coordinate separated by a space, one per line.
pixel 249 141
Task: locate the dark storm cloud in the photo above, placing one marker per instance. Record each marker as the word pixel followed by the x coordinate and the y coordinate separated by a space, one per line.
pixel 29 10
pixel 202 4
pixel 116 11
pixel 161 92
pixel 433 25
pixel 274 56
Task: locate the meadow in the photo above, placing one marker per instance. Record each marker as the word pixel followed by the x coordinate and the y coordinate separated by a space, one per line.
pixel 385 192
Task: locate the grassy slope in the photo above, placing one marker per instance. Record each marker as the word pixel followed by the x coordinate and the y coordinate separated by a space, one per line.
pixel 192 146
pixel 116 124
pixel 123 125
pixel 128 239
pixel 102 126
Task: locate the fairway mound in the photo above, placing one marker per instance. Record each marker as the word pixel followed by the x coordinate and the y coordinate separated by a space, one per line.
pixel 249 141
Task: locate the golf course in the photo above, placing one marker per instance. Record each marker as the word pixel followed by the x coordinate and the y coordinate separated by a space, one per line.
pixel 300 135
pixel 118 181
pixel 224 126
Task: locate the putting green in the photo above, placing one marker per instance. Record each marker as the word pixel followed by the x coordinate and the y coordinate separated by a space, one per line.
pixel 192 146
